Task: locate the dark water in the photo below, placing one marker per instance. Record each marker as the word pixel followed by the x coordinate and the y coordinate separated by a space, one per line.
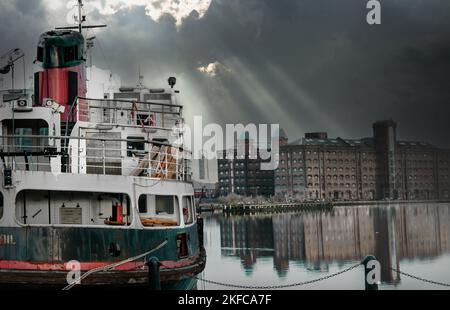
pixel 287 248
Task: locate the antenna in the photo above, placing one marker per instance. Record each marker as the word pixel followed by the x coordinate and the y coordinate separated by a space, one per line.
pixel 80 17
pixel 141 78
pixel 81 20
pixel 89 47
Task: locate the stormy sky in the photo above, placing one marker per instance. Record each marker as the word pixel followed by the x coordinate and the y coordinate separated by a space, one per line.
pixel 309 65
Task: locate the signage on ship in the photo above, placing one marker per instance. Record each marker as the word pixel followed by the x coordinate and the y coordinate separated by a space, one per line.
pixel 7 240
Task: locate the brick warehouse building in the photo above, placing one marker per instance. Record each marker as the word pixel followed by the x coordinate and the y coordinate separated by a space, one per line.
pixel 316 167
pixel 242 175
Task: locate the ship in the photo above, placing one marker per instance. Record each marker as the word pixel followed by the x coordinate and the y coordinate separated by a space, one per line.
pixel 96 192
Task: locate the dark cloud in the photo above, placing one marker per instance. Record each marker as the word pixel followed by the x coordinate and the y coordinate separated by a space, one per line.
pixel 309 65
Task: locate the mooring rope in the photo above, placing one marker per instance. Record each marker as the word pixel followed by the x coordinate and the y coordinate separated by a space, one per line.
pixel 112 266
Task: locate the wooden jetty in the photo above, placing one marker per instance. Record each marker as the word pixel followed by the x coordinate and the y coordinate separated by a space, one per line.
pixel 241 208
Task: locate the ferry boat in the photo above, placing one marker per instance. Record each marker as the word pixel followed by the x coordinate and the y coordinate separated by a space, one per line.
pixel 95 186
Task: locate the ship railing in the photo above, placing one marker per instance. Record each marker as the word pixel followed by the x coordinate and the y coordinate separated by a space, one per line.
pixel 131 113
pixel 104 156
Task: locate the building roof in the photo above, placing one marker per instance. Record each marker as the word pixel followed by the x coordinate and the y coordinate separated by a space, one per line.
pixel 354 142
pixel 333 142
pixel 415 144
pixel 282 134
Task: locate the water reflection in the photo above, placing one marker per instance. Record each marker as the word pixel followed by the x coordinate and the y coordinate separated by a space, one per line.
pixel 345 234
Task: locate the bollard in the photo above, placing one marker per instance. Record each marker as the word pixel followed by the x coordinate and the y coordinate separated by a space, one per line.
pixel 372 273
pixel 154 278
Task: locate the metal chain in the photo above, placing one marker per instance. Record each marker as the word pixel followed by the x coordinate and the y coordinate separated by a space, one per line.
pixel 419 278
pixel 280 286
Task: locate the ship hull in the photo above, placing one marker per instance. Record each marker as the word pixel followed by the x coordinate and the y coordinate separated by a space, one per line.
pixel 182 278
pixel 39 256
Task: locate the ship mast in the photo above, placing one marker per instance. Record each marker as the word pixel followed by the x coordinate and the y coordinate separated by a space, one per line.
pixel 81 19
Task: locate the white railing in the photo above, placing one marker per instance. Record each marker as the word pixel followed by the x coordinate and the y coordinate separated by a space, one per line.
pixel 105 156
pixel 128 113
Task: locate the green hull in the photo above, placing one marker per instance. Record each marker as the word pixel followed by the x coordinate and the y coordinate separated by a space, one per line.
pixel 37 255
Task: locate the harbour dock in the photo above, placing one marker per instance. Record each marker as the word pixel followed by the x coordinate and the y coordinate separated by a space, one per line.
pixel 241 208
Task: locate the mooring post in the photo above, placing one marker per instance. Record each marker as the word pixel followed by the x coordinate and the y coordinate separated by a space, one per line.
pixel 154 278
pixel 372 273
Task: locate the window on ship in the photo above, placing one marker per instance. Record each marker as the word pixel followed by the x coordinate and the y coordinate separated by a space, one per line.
pixel 54 56
pixel 135 145
pixel 70 53
pixel 158 210
pixel 42 207
pixel 29 137
pixel 40 54
pixel 188 210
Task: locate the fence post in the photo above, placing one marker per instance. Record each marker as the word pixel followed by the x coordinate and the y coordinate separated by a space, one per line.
pixel 372 273
pixel 154 277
